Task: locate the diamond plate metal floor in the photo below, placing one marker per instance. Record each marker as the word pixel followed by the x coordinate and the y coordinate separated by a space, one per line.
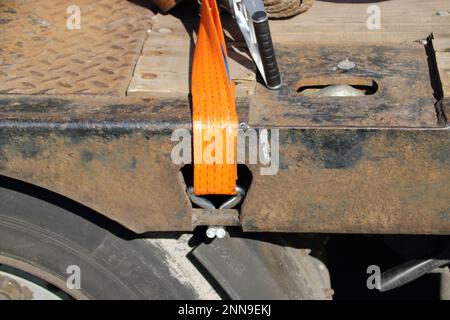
pixel 40 55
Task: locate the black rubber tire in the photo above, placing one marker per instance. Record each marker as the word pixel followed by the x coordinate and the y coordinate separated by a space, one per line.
pixel 264 267
pixel 50 238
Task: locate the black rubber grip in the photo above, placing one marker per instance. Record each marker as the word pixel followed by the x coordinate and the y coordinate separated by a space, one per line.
pixel 269 60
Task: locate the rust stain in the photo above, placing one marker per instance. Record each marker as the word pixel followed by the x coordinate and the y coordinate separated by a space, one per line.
pixel 130 179
pixel 394 185
pixel 404 95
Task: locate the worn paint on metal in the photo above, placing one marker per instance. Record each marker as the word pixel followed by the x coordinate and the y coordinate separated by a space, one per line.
pixel 113 158
pixel 403 97
pixel 120 168
pixel 354 180
pixel 215 217
pixel 129 178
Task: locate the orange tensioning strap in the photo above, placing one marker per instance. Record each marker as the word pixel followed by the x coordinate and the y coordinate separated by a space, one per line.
pixel 214 117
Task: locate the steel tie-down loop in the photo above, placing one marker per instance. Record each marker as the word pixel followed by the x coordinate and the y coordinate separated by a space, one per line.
pixel 204 203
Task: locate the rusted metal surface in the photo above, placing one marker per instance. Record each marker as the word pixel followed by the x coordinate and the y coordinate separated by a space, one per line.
pixel 215 217
pixel 113 157
pixel 108 157
pixel 372 164
pixel 355 180
pixel 404 97
pixel 39 54
pixel 116 160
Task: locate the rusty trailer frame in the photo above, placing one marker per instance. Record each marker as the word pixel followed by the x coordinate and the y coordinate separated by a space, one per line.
pixel 339 171
pixel 373 164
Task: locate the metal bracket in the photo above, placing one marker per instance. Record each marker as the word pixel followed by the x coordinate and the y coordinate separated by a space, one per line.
pixel 202 202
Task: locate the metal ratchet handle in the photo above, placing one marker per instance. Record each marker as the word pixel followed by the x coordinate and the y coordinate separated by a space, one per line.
pixel 253 22
pixel 266 50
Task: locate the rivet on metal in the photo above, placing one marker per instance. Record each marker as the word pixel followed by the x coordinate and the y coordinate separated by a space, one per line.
pixel 346 65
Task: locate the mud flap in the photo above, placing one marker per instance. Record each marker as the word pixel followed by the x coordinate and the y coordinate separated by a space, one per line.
pixel 252 269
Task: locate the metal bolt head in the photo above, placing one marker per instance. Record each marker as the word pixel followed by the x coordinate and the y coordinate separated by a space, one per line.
pixel 423 42
pixel 346 65
pixel 211 232
pixel 220 233
pixel 244 126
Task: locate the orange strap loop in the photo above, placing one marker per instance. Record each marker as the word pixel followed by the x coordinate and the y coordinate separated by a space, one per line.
pixel 215 121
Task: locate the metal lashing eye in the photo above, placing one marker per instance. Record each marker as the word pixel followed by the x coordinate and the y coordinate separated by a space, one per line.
pixel 204 203
pixel 234 200
pixel 200 201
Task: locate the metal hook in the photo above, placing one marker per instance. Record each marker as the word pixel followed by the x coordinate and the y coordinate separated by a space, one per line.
pixel 234 200
pixel 204 203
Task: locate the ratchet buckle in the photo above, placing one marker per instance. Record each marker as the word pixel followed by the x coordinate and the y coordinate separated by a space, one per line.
pixel 252 19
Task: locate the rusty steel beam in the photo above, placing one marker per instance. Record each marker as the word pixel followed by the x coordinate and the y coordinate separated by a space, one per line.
pixel 113 158
pixel 356 181
pixel 215 217
pixel 372 164
pixel 119 167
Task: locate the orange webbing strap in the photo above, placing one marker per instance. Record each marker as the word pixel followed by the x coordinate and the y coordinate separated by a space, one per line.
pixel 214 117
